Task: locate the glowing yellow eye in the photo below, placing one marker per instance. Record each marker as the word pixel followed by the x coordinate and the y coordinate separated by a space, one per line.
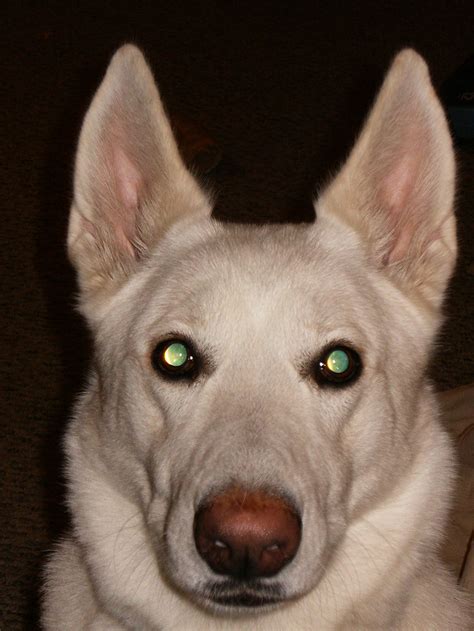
pixel 175 355
pixel 174 358
pixel 339 365
pixel 338 361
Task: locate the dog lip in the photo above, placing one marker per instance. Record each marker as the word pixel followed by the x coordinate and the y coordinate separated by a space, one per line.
pixel 245 599
pixel 252 595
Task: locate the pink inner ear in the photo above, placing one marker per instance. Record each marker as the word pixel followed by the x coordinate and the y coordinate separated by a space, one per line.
pixel 399 184
pixel 397 192
pixel 128 183
pixel 128 179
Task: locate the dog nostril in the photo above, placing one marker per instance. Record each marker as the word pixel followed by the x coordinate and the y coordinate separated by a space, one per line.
pixel 247 534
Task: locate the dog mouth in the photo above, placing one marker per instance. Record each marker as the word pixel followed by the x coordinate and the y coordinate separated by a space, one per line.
pixel 237 596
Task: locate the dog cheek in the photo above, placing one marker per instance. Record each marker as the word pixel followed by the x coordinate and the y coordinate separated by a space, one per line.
pixel 374 432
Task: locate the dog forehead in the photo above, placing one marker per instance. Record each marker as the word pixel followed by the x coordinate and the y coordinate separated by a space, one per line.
pixel 253 274
pixel 239 253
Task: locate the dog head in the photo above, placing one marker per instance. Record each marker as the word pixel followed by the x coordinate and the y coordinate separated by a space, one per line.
pixel 258 387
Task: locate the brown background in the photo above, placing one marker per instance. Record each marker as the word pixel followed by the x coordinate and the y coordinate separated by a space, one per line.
pixel 283 89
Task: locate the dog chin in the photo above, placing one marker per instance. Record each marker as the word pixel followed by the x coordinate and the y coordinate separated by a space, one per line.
pixel 236 599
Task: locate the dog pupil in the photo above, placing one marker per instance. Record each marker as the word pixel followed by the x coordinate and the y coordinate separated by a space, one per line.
pixel 175 354
pixel 338 361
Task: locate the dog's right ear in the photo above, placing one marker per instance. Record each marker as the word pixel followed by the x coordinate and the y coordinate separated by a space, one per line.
pixel 396 189
pixel 130 182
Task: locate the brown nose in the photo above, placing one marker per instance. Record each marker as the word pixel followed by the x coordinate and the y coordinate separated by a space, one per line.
pixel 247 534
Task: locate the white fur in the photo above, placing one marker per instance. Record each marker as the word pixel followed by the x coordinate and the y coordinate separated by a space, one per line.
pixel 369 465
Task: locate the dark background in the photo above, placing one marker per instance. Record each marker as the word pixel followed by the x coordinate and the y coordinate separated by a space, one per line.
pixel 283 89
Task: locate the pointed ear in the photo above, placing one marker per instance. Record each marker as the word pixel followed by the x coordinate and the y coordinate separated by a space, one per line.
pixel 397 187
pixel 130 183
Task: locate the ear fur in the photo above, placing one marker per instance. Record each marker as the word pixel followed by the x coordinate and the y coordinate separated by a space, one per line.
pixel 397 186
pixel 130 182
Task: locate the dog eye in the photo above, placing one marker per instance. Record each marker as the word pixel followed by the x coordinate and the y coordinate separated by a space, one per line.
pixel 174 358
pixel 338 365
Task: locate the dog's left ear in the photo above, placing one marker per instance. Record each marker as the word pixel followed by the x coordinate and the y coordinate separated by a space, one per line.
pixel 397 187
pixel 130 182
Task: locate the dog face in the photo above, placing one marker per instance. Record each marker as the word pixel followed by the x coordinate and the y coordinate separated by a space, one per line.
pixel 258 385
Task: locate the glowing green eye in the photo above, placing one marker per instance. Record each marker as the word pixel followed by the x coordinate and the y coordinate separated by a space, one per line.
pixel 174 358
pixel 338 361
pixel 337 366
pixel 175 355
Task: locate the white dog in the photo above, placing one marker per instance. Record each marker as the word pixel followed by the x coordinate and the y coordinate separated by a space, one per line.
pixel 258 447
